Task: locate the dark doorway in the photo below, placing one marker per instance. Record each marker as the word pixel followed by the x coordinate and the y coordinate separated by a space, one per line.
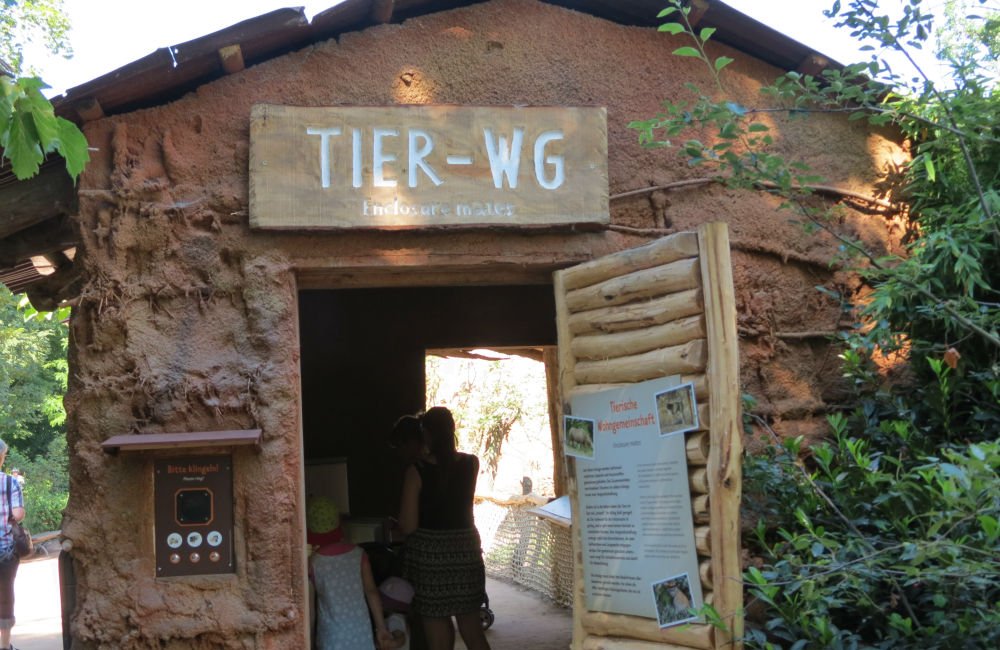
pixel 363 354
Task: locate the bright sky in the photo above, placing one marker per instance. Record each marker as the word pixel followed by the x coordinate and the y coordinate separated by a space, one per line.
pixel 107 34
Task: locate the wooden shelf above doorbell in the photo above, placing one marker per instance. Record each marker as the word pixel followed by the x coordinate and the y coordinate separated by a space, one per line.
pixel 181 440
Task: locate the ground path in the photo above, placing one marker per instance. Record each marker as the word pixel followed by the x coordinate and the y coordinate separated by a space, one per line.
pixel 524 620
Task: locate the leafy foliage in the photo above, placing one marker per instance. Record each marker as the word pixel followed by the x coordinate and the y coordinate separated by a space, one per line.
pixel 33 375
pixel 23 22
pixel 876 549
pixel 46 484
pixel 887 535
pixel 486 405
pixel 29 127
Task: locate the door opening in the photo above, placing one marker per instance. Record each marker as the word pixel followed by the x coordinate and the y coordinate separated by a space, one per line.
pixel 501 401
pixel 364 361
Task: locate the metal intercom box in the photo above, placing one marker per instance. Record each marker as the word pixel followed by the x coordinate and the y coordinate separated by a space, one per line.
pixel 193 500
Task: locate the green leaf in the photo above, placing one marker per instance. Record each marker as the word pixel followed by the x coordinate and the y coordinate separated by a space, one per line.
pixel 722 62
pixel 990 526
pixel 72 147
pixel 706 33
pixel 46 128
pixel 687 51
pixel 22 147
pixel 929 168
pixel 666 12
pixel 673 28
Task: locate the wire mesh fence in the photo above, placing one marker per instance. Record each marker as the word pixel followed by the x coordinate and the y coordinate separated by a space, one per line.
pixel 525 549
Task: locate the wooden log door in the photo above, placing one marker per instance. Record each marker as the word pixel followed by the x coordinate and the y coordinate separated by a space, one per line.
pixel 664 309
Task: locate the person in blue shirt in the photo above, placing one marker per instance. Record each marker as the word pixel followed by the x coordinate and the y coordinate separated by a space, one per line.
pixel 11 507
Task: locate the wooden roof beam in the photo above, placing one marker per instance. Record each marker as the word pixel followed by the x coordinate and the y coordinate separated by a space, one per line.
pixel 382 11
pixel 698 10
pixel 25 203
pixel 56 234
pixel 51 291
pixel 231 57
pixel 89 109
pixel 813 64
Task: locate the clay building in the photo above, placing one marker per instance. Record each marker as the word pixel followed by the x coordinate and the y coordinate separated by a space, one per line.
pixel 225 317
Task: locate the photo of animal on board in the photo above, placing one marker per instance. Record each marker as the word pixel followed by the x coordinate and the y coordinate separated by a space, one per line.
pixel 579 436
pixel 673 600
pixel 676 411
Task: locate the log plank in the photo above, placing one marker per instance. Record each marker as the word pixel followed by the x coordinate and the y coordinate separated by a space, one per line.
pixel 662 251
pixel 640 285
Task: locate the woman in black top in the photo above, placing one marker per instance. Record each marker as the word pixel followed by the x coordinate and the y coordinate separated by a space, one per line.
pixel 444 556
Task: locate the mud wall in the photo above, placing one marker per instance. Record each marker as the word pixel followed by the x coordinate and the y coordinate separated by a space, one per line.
pixel 188 319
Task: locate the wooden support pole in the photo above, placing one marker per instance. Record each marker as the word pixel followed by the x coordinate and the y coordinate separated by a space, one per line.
pixel 551 360
pixel 567 381
pixel 726 448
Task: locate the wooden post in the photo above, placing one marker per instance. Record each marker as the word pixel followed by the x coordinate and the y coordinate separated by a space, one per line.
pixel 725 449
pixel 551 360
pixel 567 381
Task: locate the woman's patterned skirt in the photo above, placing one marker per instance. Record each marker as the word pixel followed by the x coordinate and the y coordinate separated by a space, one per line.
pixel 446 570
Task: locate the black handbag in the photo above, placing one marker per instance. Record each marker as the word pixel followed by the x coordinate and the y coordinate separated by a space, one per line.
pixel 23 546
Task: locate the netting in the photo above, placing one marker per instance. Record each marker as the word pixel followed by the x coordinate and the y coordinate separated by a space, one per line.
pixel 523 548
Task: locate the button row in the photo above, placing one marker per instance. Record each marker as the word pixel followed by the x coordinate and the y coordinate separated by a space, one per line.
pixel 194 558
pixel 194 539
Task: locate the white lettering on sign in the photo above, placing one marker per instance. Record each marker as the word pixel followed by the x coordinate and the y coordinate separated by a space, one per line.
pixel 541 160
pixel 503 153
pixel 417 155
pixel 426 166
pixel 504 159
pixel 380 158
pixel 324 152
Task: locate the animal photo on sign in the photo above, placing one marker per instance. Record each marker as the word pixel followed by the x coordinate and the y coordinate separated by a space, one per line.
pixel 579 436
pixel 676 411
pixel 672 598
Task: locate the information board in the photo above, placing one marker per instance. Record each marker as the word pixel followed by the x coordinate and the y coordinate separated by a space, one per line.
pixel 637 532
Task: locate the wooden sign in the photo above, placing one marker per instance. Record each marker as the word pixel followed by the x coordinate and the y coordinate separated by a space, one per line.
pixel 424 166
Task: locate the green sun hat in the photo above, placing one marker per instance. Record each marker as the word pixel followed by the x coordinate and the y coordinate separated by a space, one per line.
pixel 322 515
